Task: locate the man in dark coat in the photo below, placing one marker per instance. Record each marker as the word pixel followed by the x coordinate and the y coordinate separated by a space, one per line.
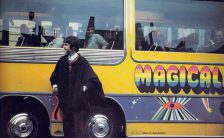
pixel 77 86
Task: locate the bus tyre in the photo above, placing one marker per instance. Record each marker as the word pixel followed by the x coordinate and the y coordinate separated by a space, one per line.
pixel 103 123
pixel 23 124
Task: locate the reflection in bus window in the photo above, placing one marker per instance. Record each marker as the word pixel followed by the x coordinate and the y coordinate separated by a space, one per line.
pixel 218 36
pixel 58 39
pixel 70 31
pixel 27 38
pixel 173 28
pixel 21 33
pixel 94 40
pixel 217 40
pixel 73 19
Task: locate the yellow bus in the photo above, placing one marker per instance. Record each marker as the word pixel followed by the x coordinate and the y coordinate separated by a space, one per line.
pixel 162 70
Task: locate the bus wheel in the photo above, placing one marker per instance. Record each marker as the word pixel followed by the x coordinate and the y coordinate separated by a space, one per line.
pixel 103 123
pixel 22 125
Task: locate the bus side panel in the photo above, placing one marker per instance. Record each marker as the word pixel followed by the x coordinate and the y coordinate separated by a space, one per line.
pixel 157 115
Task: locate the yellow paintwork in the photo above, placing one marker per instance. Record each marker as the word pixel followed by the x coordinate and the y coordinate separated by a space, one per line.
pixel 28 77
pixel 116 79
pixel 178 57
pixel 174 129
pixel 56 129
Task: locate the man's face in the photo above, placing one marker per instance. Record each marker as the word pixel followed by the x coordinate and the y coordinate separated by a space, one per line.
pixel 90 31
pixel 67 48
pixel 219 37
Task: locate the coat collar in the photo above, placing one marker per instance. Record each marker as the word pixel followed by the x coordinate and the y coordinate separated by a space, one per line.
pixel 79 60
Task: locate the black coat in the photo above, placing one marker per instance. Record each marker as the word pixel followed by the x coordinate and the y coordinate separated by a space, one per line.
pixel 70 85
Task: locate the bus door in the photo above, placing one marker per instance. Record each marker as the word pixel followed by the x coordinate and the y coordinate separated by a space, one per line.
pixel 178 71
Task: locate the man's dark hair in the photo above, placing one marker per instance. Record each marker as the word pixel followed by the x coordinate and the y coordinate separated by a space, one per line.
pixel 73 41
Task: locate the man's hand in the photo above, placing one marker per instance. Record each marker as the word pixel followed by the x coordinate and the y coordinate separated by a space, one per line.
pixel 55 89
pixel 84 88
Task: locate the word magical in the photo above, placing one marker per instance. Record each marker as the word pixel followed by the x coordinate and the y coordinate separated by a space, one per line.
pixel 205 79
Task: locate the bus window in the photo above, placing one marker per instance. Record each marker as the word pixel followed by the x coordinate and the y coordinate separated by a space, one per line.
pixel 21 33
pixel 180 26
pixel 55 19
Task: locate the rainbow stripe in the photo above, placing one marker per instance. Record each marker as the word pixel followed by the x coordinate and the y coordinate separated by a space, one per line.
pixel 200 80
